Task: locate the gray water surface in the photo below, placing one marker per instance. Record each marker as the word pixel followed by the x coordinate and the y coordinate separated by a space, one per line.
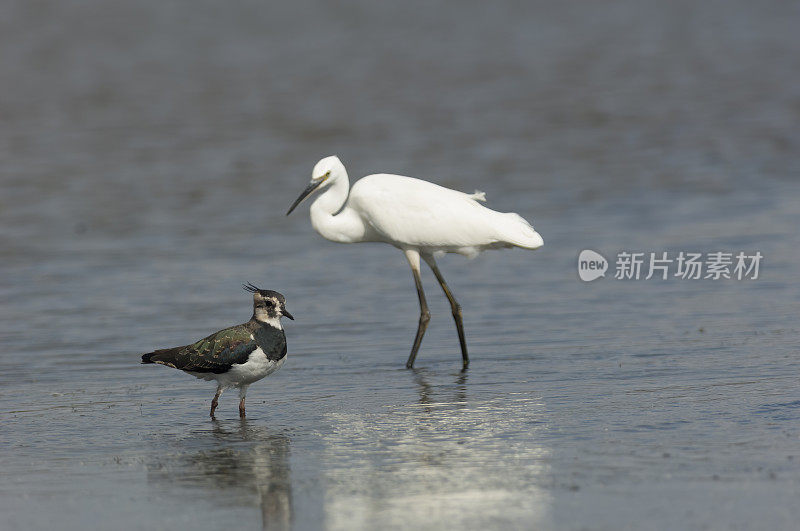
pixel 149 151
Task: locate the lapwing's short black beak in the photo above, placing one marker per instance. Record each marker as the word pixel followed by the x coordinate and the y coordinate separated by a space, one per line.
pixel 287 314
pixel 307 192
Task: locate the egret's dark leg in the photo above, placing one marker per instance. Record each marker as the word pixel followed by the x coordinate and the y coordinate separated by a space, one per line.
pixel 424 313
pixel 454 305
pixel 215 402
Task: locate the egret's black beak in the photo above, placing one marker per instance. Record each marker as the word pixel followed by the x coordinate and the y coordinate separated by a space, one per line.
pixel 307 192
pixel 287 314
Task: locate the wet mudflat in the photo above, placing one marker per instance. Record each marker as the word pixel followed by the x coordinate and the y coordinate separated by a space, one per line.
pixel 149 153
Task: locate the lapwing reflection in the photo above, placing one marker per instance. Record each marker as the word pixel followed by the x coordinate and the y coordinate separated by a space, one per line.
pixel 240 465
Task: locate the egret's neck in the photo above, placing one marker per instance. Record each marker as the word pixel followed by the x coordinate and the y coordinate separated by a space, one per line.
pixel 332 218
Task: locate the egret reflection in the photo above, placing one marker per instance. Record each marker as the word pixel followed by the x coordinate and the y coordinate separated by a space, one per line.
pixel 427 392
pixel 242 465
pixel 444 460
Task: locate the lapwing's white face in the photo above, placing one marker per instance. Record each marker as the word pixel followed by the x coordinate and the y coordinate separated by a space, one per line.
pixel 270 308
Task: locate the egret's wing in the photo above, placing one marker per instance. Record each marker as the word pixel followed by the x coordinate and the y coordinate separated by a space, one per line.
pixel 215 353
pixel 420 213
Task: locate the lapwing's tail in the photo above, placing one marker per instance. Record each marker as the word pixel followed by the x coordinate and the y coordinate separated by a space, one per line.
pixel 162 356
pixel 146 357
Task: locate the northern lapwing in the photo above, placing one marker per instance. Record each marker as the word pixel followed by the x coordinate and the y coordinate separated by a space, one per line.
pixel 236 356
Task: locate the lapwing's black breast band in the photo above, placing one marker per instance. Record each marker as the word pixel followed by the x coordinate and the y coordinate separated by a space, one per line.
pixel 272 341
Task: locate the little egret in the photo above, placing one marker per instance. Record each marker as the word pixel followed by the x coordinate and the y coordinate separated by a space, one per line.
pixel 420 218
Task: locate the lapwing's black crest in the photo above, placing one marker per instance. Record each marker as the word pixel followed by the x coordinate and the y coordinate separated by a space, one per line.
pixel 266 293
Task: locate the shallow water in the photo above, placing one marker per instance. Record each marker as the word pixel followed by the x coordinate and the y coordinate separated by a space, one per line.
pixel 149 152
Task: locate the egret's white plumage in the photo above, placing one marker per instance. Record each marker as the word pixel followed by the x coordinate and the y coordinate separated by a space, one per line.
pixel 419 217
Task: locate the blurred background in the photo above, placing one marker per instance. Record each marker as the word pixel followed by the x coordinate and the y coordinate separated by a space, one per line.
pixel 148 154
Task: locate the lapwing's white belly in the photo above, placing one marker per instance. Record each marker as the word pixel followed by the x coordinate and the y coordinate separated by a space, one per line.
pixel 255 368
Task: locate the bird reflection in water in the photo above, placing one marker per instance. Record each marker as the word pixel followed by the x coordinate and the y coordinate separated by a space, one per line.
pixel 247 465
pixel 446 457
pixel 426 390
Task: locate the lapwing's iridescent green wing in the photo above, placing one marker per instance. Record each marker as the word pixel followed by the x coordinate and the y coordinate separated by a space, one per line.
pixel 215 353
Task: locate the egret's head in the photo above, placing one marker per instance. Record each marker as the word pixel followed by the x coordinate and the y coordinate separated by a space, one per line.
pixel 326 172
pixel 268 305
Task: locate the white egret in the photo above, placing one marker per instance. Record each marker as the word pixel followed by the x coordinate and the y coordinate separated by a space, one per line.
pixel 420 218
